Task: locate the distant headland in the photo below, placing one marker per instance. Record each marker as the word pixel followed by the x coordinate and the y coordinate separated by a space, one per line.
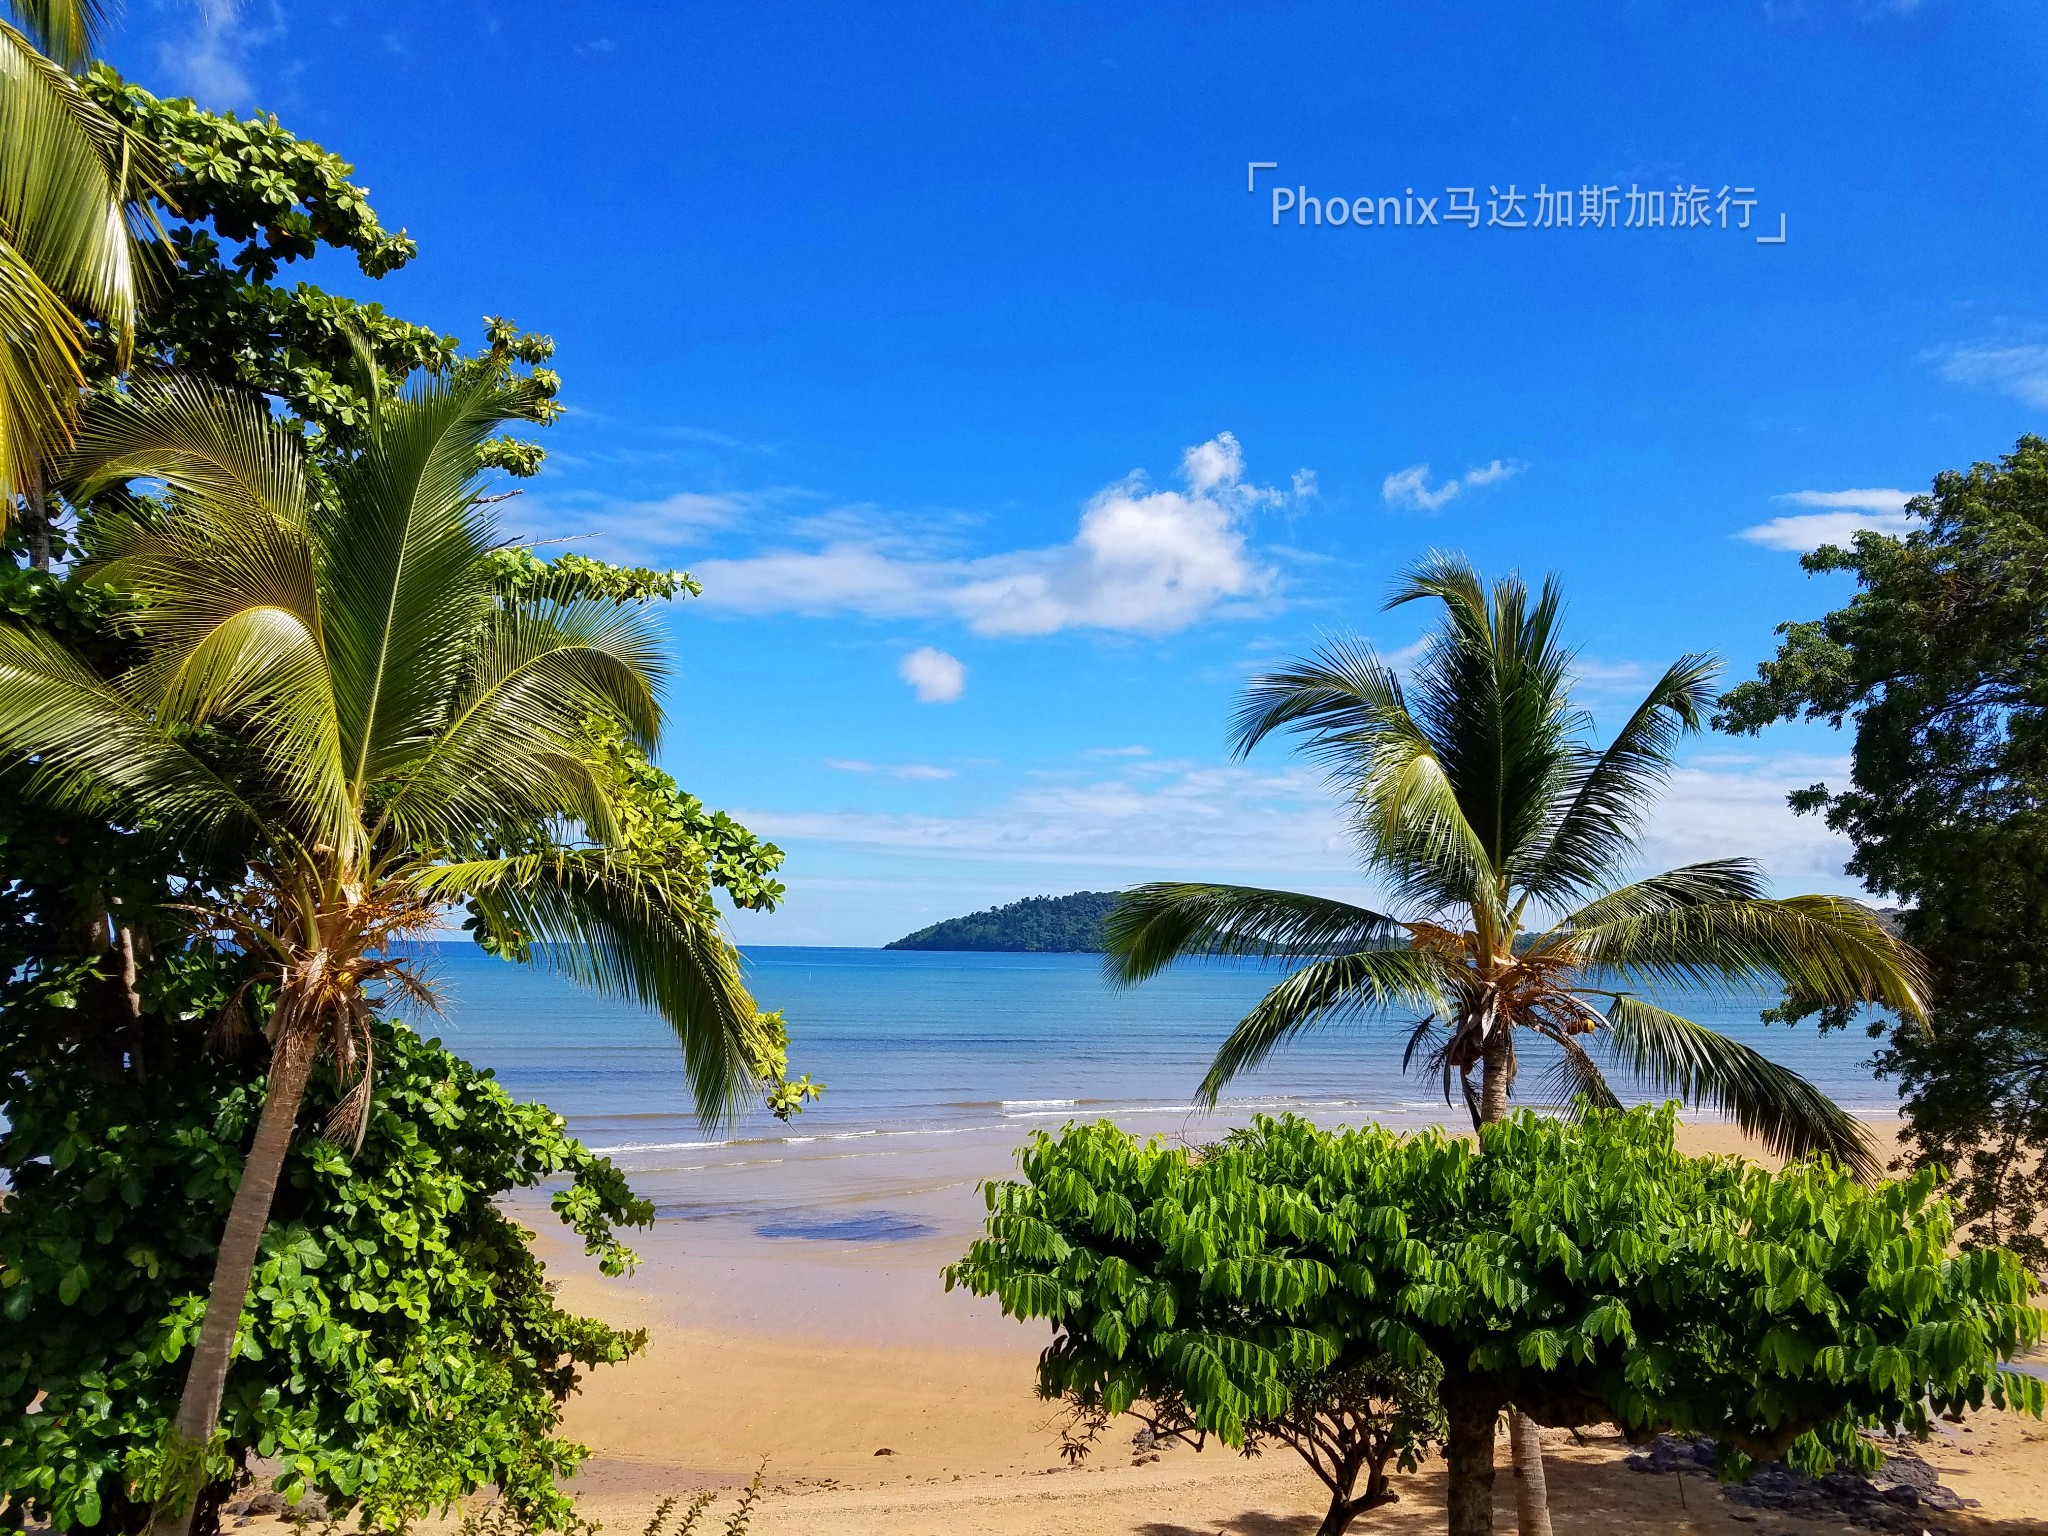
pixel 1037 924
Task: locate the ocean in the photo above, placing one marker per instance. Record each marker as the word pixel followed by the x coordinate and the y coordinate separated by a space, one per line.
pixel 938 1065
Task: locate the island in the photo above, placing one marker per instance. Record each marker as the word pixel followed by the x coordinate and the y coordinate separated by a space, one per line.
pixel 1037 924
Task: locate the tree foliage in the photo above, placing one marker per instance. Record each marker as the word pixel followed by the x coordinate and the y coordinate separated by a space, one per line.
pixel 1939 663
pixel 520 573
pixel 108 978
pixel 401 1346
pixel 1583 1272
pixel 328 683
pixel 1038 924
pixel 242 199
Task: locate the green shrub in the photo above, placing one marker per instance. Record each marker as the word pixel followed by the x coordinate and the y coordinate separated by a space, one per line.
pixel 1584 1272
pixel 401 1347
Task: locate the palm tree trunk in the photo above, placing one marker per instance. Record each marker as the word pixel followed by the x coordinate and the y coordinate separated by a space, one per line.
pixel 199 1409
pixel 1496 1074
pixel 35 522
pixel 1532 1490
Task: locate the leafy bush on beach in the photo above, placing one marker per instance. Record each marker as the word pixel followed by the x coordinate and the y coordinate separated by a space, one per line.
pixel 1584 1272
pixel 401 1347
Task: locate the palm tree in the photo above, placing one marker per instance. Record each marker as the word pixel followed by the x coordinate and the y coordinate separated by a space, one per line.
pixel 330 692
pixel 72 184
pixel 1481 807
pixel 66 30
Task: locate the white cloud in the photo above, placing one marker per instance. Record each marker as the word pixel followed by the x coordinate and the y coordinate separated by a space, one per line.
pixel 1814 529
pixel 922 771
pixel 1162 817
pixel 1609 679
pixel 1487 474
pixel 1410 491
pixel 2019 369
pixel 209 63
pixel 1874 499
pixel 1733 806
pixel 1848 512
pixel 1215 463
pixel 651 530
pixel 937 677
pixel 1144 560
pixel 1284 826
pixel 1119 752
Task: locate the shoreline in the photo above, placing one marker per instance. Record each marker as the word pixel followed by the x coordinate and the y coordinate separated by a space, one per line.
pixel 840 1240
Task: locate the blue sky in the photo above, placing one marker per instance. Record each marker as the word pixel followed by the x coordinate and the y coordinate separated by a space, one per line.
pixel 1010 433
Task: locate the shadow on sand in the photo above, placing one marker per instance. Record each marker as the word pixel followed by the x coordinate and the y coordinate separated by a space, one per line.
pixel 1416 1521
pixel 1403 1519
pixel 1251 1523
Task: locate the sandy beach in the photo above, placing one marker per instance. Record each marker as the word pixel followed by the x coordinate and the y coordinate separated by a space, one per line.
pixel 879 1403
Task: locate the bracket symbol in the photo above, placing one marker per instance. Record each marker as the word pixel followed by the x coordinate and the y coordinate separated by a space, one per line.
pixel 1252 169
pixel 1778 238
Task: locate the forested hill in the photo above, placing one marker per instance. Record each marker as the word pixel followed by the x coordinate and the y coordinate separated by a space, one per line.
pixel 1037 923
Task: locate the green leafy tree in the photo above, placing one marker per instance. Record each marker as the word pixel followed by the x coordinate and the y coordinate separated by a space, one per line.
pixel 1588 1271
pixel 104 975
pixel 1506 835
pixel 329 683
pixel 390 1398
pixel 75 1030
pixel 242 202
pixel 1939 663
pixel 245 201
pixel 236 201
pixel 1173 1303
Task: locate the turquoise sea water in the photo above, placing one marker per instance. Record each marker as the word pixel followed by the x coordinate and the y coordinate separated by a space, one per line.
pixel 912 1043
pixel 937 1067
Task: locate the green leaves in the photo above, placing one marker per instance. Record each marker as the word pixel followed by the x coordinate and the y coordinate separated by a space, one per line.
pixel 1218 1289
pixel 1583 1271
pixel 1324 992
pixel 1938 664
pixel 518 572
pixel 401 1347
pixel 617 927
pixel 1818 947
pixel 659 827
pixel 69 178
pixel 1774 1104
pixel 1153 925
pixel 335 678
